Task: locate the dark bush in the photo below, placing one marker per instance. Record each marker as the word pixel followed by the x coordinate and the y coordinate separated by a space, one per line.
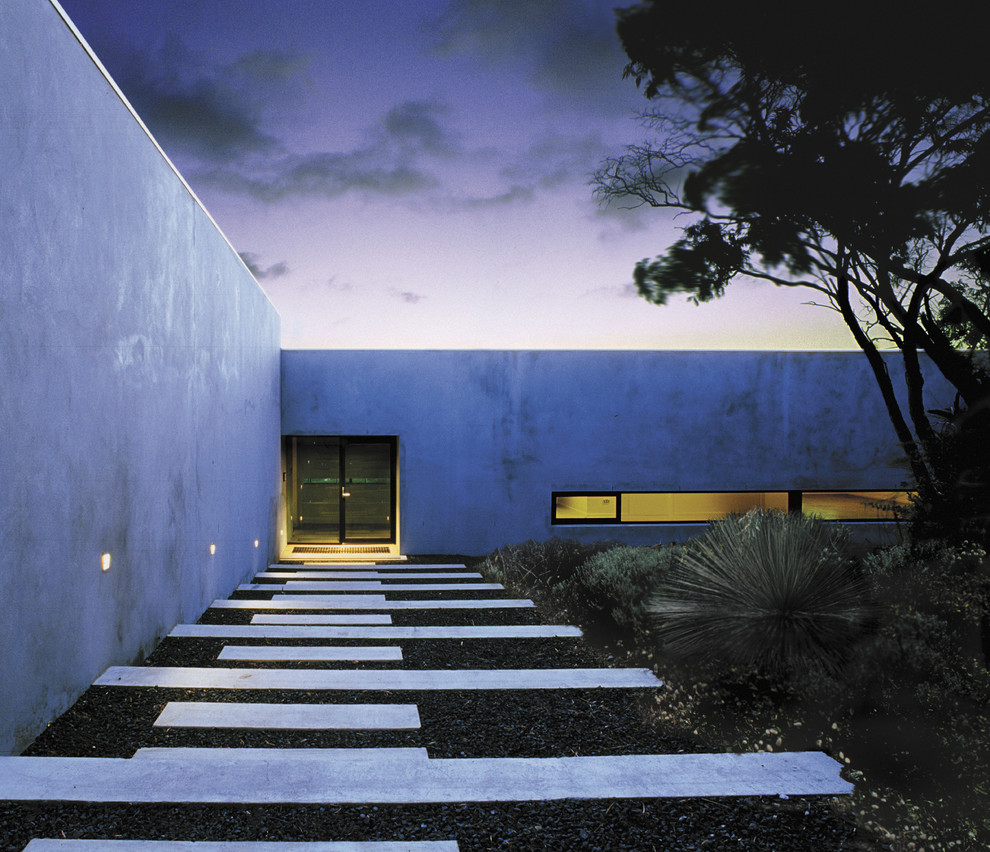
pixel 534 567
pixel 768 589
pixel 608 592
pixel 937 600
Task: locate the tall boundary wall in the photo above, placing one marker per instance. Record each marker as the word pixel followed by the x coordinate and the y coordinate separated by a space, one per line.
pixel 139 413
pixel 485 437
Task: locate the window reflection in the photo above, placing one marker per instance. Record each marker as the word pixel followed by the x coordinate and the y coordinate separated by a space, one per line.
pixel 854 505
pixel 585 507
pixel 696 506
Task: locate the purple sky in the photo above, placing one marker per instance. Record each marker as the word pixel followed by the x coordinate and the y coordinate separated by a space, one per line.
pixel 416 174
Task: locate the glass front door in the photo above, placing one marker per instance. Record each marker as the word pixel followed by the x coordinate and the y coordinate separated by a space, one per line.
pixel 340 489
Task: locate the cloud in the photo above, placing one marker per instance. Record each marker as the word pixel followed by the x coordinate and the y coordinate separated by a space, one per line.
pixel 416 125
pixel 513 195
pixel 276 270
pixel 270 68
pixel 613 291
pixel 320 175
pixel 407 296
pixel 213 113
pixel 567 46
pixel 629 219
pixel 556 159
pixel 398 159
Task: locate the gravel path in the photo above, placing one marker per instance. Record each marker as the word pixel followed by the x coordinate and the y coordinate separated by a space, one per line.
pixel 115 721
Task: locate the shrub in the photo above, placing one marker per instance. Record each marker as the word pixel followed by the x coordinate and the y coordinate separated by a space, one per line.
pixel 533 567
pixel 767 589
pixel 609 590
pixel 947 589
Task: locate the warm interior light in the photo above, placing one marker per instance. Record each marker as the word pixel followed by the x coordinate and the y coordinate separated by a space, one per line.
pixel 105 561
pixel 213 549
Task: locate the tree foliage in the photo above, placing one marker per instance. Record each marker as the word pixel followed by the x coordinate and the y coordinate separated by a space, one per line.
pixel 848 154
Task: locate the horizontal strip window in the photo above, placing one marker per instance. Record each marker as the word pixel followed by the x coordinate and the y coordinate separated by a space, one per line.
pixel 693 507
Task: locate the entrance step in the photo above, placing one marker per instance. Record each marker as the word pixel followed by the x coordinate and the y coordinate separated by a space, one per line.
pixel 226 714
pixel 365 586
pixel 366 575
pixel 293 780
pixel 291 631
pixel 311 653
pixel 363 602
pixel 189 677
pixel 62 845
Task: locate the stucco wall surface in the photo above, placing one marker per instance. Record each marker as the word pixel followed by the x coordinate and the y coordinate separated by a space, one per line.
pixel 486 436
pixel 140 383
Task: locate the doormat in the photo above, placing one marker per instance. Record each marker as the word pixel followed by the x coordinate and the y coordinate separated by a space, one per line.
pixel 343 550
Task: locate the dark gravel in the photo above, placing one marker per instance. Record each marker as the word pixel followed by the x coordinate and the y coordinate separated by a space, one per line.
pixel 115 721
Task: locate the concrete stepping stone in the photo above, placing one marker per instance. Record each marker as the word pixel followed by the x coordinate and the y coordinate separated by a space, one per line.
pixel 310 717
pixel 289 780
pixel 67 845
pixel 314 618
pixel 292 631
pixel 364 566
pixel 352 620
pixel 369 756
pixel 364 586
pixel 190 677
pixel 362 602
pixel 311 653
pixel 338 601
pixel 364 575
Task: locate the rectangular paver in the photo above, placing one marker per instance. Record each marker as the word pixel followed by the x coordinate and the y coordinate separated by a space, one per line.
pixel 323 618
pixel 367 756
pixel 292 631
pixel 311 653
pixel 189 677
pixel 319 618
pixel 366 575
pixel 228 714
pixel 67 845
pixel 365 566
pixel 364 586
pixel 273 780
pixel 359 602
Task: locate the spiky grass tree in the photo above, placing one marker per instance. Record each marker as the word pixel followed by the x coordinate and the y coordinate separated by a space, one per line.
pixel 766 588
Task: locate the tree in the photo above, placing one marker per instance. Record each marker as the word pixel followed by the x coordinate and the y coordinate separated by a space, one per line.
pixel 848 154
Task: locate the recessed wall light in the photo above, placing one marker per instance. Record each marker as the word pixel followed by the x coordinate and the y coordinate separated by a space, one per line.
pixel 105 562
pixel 213 549
pixel 256 542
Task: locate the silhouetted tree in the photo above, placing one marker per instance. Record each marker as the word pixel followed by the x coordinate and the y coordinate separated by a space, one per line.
pixel 843 149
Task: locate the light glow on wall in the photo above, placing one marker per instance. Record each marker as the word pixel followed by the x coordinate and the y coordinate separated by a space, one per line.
pixel 105 562
pixel 256 542
pixel 213 549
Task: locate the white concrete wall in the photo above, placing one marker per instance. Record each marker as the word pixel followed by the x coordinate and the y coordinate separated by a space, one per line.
pixel 486 436
pixel 139 363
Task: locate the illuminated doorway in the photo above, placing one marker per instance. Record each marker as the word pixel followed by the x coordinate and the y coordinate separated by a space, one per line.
pixel 341 490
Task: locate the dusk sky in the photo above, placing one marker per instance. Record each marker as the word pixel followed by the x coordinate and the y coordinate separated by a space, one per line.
pixel 416 174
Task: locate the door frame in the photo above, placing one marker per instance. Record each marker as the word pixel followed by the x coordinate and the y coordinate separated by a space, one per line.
pixel 288 447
